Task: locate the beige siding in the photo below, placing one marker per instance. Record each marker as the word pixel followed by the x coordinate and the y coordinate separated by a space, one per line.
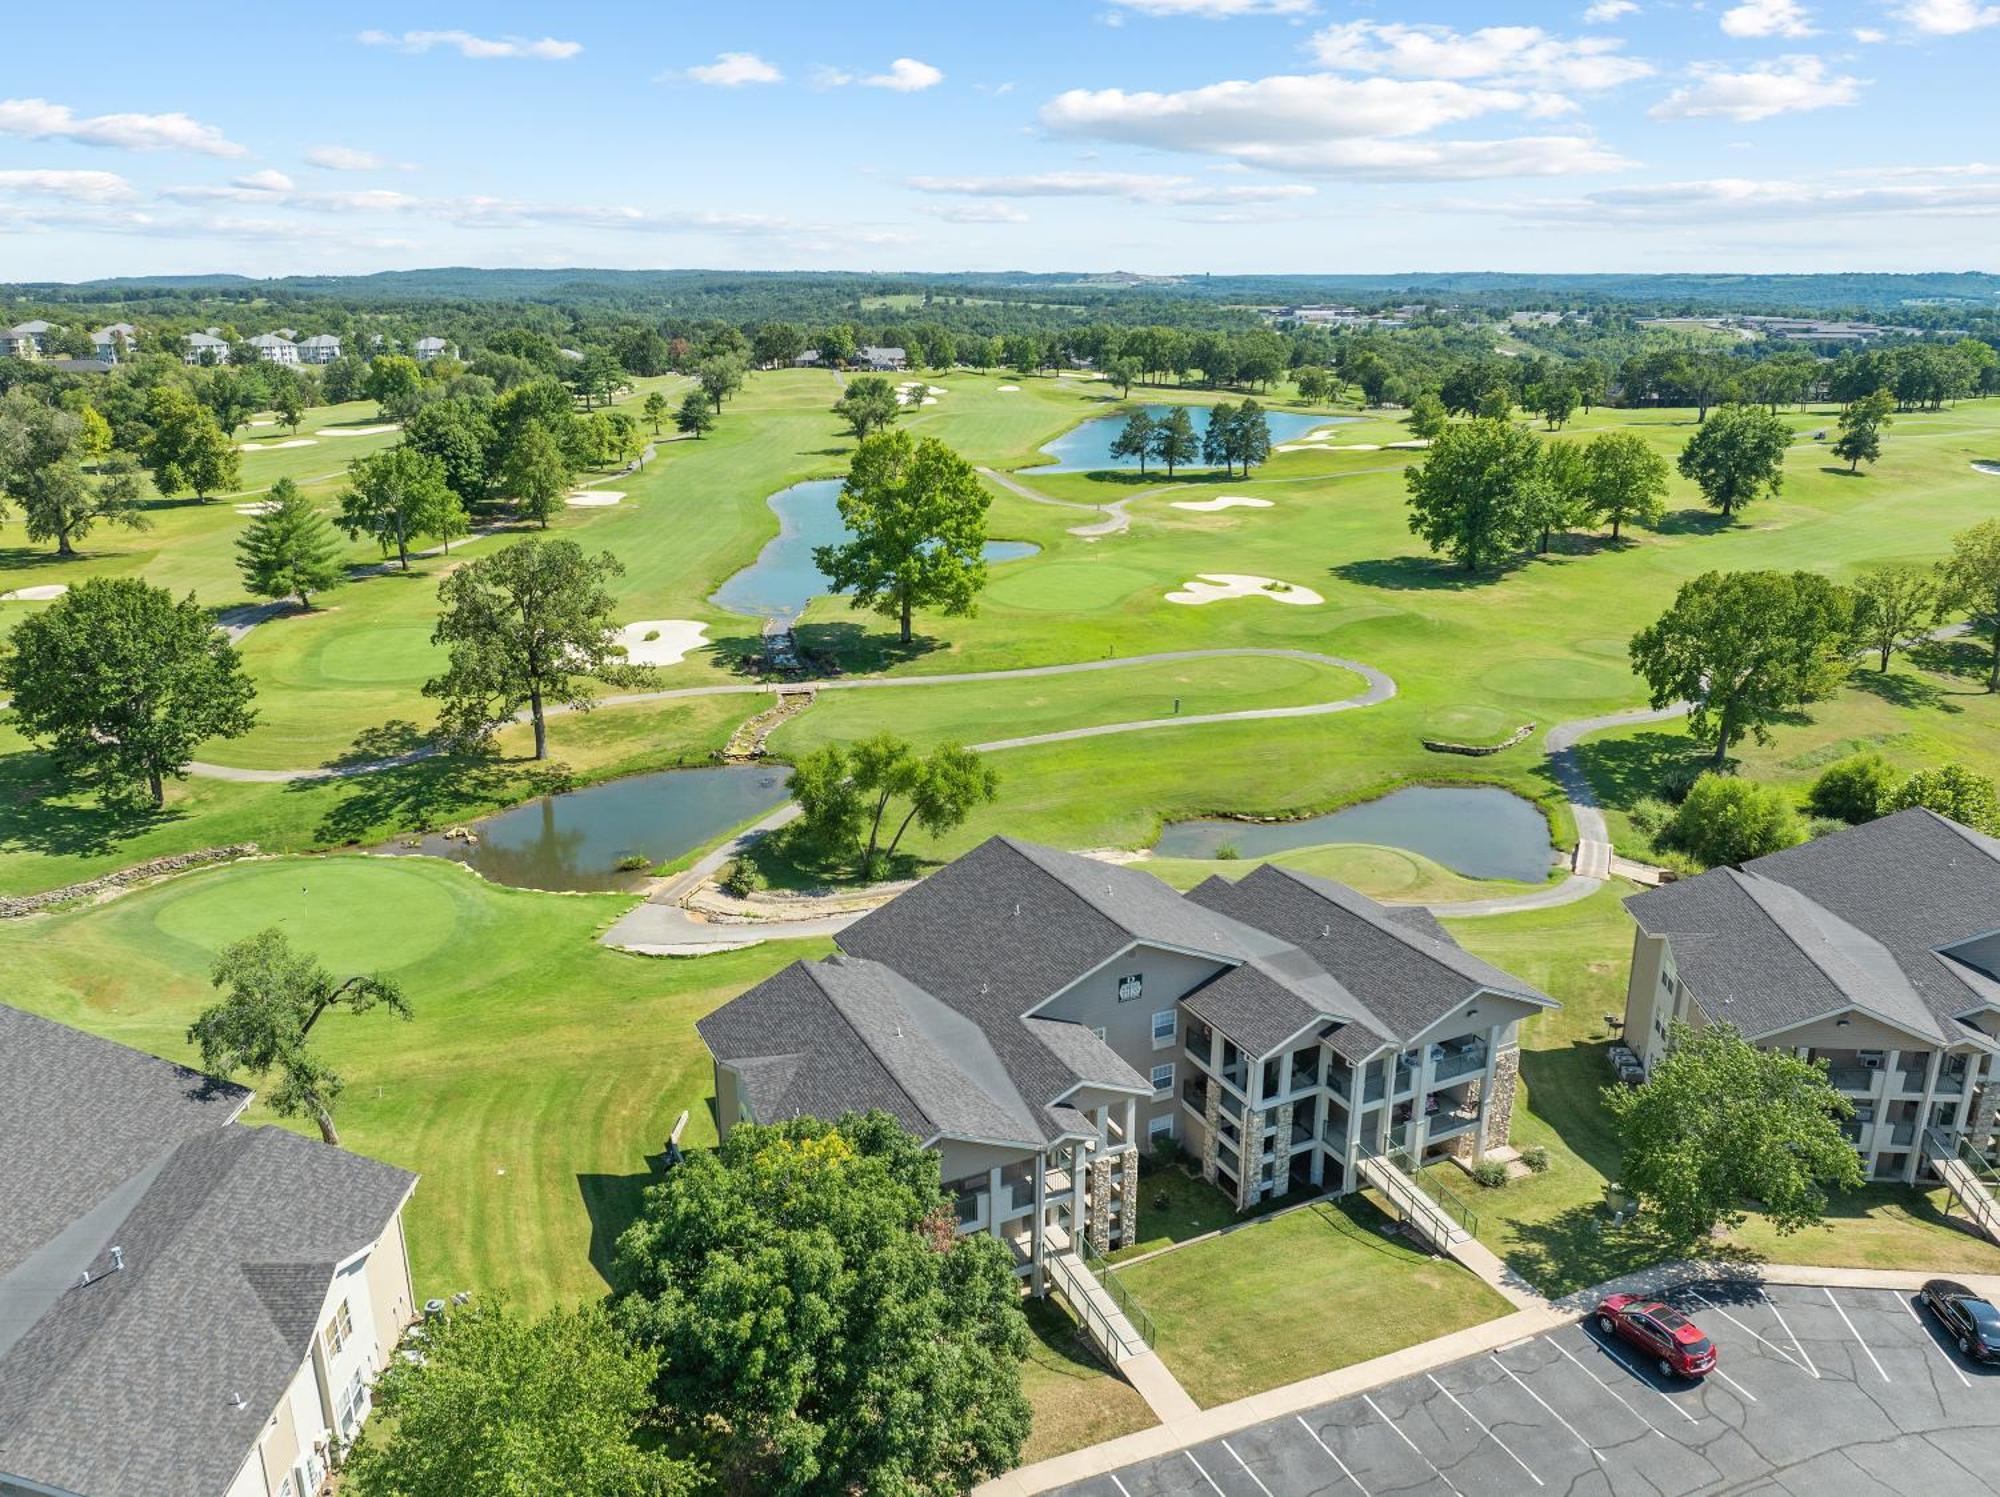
pixel 1860 1033
pixel 1646 1002
pixel 280 1448
pixel 729 1109
pixel 956 1160
pixel 389 1291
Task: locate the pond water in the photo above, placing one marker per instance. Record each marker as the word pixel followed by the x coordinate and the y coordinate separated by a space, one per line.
pixel 1087 448
pixel 576 840
pixel 1478 831
pixel 783 579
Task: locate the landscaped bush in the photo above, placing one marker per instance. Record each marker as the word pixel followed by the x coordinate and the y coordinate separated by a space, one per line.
pixel 742 878
pixel 1536 1159
pixel 1950 790
pixel 1854 790
pixel 1490 1173
pixel 1725 820
pixel 1650 815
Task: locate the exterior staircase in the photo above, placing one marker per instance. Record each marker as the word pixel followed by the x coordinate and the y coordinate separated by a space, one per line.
pixel 1104 1318
pixel 1967 1176
pixel 1419 1210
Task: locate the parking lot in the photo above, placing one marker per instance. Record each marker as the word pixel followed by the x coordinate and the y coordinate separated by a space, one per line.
pixel 1845 1391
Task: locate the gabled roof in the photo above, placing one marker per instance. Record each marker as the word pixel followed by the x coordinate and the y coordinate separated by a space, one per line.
pixel 271 340
pixel 321 340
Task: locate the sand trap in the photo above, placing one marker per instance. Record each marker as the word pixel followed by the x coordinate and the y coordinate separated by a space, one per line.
pixel 278 446
pixel 1213 587
pixel 1415 444
pixel 263 423
pixel 1992 469
pixel 937 389
pixel 258 507
pixel 356 431
pixel 1224 501
pixel 676 638
pixel 593 498
pixel 38 594
pixel 1008 390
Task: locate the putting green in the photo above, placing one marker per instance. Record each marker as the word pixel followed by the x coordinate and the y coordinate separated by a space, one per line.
pixel 1069 586
pixel 338 909
pixel 1607 649
pixel 400 655
pixel 1469 724
pixel 1547 679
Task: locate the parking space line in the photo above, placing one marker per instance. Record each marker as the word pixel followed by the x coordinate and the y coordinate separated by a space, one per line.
pixel 1120 1485
pixel 1484 1430
pixel 1856 1334
pixel 1607 1388
pixel 1789 1331
pixel 1449 1486
pixel 1204 1474
pixel 1736 1385
pixel 1246 1469
pixel 1925 1328
pixel 1575 1433
pixel 1331 1456
pixel 1619 1357
pixel 1747 1330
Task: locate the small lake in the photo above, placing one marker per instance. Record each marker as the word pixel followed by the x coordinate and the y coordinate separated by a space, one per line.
pixel 783 579
pixel 1087 448
pixel 576 840
pixel 1478 831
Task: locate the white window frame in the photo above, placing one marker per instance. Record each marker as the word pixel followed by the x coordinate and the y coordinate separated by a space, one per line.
pixel 1173 1034
pixel 1166 1088
pixel 1098 1031
pixel 1161 1126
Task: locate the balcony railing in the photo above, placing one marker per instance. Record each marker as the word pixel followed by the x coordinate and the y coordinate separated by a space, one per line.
pixel 1911 1078
pixel 1456 1063
pixel 1852 1078
pixel 1951 1084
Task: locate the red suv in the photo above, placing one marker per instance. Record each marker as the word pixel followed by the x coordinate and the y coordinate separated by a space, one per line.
pixel 1675 1343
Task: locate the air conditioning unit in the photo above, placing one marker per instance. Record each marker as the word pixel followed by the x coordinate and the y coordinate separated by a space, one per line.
pixel 1871 1059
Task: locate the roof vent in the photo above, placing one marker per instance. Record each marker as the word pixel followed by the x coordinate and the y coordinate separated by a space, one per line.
pixel 117 1259
pixel 1326 930
pixel 1017 909
pixel 237 1401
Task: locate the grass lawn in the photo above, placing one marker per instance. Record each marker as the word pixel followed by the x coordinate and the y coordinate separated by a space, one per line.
pixel 1305 1293
pixel 1077 1400
pixel 1549 1227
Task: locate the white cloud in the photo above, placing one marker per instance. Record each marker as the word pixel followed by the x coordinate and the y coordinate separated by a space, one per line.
pixel 38 119
pixel 1767 18
pixel 266 181
pixel 906 76
pixel 1869 35
pixel 975 213
pixel 72 186
pixel 734 69
pixel 547 49
pixel 829 77
pixel 1137 187
pixel 1949 17
pixel 1728 200
pixel 1217 10
pixel 1791 85
pixel 1604 12
pixel 346 159
pixel 1523 54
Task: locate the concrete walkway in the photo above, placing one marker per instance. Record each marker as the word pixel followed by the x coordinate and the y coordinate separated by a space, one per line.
pixel 1115 521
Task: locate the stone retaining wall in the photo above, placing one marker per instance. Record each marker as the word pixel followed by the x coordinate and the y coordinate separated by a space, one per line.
pixel 1478 750
pixel 12 908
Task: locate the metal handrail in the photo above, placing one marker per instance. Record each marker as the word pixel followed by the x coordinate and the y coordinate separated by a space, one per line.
pixel 1437 1219
pixel 1452 1205
pixel 1100 1270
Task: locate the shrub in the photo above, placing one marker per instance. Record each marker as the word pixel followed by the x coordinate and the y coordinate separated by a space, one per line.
pixel 1823 826
pixel 1490 1173
pixel 742 878
pixel 1950 790
pixel 1853 790
pixel 1677 780
pixel 633 862
pixel 1727 820
pixel 1536 1159
pixel 1227 853
pixel 1650 815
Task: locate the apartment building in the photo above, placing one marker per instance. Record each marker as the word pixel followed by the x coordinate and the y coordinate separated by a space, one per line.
pixel 1037 1017
pixel 1875 950
pixel 275 348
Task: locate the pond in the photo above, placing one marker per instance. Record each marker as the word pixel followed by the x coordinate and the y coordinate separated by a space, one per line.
pixel 1087 448
pixel 783 579
pixel 1478 831
pixel 576 840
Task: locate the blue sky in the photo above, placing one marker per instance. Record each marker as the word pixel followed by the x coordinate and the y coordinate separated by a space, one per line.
pixel 1148 135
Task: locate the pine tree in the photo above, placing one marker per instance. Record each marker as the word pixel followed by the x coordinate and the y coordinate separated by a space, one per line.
pixel 288 549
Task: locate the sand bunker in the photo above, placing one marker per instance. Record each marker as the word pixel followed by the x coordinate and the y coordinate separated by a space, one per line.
pixel 675 637
pixel 1415 444
pixel 1222 501
pixel 258 507
pixel 593 498
pixel 1213 587
pixel 1008 390
pixel 1992 469
pixel 937 389
pixel 263 423
pixel 278 446
pixel 356 431
pixel 38 594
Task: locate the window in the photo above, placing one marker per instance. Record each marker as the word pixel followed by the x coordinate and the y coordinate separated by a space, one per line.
pixel 1098 1031
pixel 1131 987
pixel 1164 1027
pixel 1163 1079
pixel 339 1330
pixel 1161 1127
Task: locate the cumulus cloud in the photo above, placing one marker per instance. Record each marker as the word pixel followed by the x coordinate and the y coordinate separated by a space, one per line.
pixel 974 213
pixel 1217 10
pixel 346 159
pixel 906 76
pixel 1137 187
pixel 38 119
pixel 266 181
pixel 1949 17
pixel 547 49
pixel 1520 54
pixel 1791 85
pixel 734 70
pixel 1767 18
pixel 1604 12
pixel 71 186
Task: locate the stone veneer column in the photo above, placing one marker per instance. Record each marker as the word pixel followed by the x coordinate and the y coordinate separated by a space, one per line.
pixel 1281 1151
pixel 1500 1104
pixel 1128 1199
pixel 1248 1157
pixel 1467 1146
pixel 1983 1121
pixel 1100 1201
pixel 1211 1118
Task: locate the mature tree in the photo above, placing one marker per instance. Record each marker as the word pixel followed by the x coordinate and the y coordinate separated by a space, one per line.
pixel 1554 400
pixel 41 472
pixel 1861 427
pixel 183 446
pixel 1969 585
pixel 1953 790
pixel 288 550
pixel 1314 384
pixel 1727 821
pixel 1174 442
pixel 829 802
pixel 778 343
pixel 526 626
pixel 273 996
pixel 822 1328
pixel 1135 438
pixel 1428 418
pixel 941 788
pixel 1248 433
pixel 918 518
pixel 1721 1123
pixel 598 376
pixel 546 401
pixel 288 403
pixel 694 415
pixel 122 682
pixel 235 395
pixel 1626 480
pixel 655 408
pixel 720 377
pixel 534 473
pixel 1473 495
pixel 501 1404
pixel 396 494
pixel 1890 599
pixel 1737 457
pixel 459 433
pixel 867 404
pixel 1854 789
pixel 1373 373
pixel 1217 438
pixel 836 343
pixel 93 437
pixel 395 383
pixel 1742 647
pixel 1122 372
pixel 1496 403
pixel 1559 498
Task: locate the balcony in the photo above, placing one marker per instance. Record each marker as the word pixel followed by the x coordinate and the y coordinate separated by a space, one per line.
pixel 1449 1062
pixel 1450 1124
pixel 1909 1079
pixel 1951 1083
pixel 1852 1078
